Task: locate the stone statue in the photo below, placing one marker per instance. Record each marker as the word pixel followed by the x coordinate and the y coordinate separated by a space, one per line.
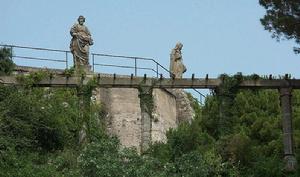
pixel 177 67
pixel 80 43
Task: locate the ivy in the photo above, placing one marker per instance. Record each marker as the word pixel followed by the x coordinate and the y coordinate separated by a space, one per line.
pixel 146 100
pixel 69 72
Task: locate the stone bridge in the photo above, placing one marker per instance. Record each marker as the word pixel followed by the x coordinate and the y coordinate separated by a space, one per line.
pixel 129 84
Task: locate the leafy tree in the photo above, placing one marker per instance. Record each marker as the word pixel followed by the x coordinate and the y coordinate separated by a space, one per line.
pixel 6 64
pixel 282 19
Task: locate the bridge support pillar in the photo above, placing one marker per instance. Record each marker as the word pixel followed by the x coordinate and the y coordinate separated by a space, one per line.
pixel 146 103
pixel 286 109
pixel 81 106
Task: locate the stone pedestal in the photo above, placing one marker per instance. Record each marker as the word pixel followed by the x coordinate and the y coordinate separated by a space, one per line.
pixel 83 69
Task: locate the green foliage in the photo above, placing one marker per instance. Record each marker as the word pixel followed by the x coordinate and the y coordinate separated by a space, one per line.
pixel 100 159
pixel 105 158
pixel 217 114
pixel 69 72
pixel 146 100
pixel 6 63
pixel 236 133
pixel 38 127
pixel 39 119
pixel 236 149
pixel 33 78
pixel 188 138
pixel 282 19
pixel 31 164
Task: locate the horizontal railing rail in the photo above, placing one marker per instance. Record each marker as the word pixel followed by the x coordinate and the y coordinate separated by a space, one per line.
pixel 135 59
pixel 13 56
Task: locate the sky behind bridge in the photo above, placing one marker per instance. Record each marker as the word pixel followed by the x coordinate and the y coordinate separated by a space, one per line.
pixel 219 36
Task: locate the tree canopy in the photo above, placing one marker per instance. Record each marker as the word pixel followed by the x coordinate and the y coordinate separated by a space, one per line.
pixel 282 19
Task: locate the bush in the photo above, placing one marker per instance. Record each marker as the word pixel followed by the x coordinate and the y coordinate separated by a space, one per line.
pixel 6 63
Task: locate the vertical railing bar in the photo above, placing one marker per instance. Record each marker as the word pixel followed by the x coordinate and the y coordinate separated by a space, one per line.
pixel 135 66
pixel 156 70
pixel 200 99
pixel 93 58
pixel 67 64
pixel 11 53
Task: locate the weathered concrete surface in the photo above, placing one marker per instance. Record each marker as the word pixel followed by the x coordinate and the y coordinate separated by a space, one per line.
pixel 130 122
pixel 123 114
pixel 164 114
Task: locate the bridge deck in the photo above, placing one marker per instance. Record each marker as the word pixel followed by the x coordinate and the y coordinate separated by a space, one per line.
pixel 135 82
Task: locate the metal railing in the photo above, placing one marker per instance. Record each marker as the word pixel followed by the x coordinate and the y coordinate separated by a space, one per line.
pixel 15 56
pixel 135 67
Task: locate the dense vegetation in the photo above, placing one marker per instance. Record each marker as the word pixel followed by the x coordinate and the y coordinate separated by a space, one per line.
pixel 236 133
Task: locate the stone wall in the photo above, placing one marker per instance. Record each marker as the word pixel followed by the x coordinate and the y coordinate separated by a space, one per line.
pixel 123 117
pixel 164 114
pixel 128 119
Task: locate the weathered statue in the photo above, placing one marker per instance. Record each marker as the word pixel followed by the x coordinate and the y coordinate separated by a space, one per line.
pixel 80 43
pixel 177 67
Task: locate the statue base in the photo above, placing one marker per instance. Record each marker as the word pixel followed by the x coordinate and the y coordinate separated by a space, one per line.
pixel 83 69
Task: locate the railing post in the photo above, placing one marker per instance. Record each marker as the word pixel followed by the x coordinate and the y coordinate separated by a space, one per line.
pixel 11 52
pixel 135 66
pixel 67 65
pixel 200 99
pixel 93 59
pixel 156 70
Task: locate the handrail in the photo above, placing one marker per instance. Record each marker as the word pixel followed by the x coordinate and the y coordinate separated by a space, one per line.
pixel 38 58
pixel 132 58
pixel 34 48
pixel 121 56
pixel 135 67
pixel 125 66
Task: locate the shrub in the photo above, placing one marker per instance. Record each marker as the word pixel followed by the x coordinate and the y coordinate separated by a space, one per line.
pixel 6 63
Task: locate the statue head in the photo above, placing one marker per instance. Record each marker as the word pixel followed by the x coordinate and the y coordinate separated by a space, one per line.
pixel 81 20
pixel 179 46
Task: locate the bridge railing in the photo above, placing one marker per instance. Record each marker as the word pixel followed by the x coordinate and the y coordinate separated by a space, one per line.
pixel 136 64
pixel 63 57
pixel 55 56
pixel 21 53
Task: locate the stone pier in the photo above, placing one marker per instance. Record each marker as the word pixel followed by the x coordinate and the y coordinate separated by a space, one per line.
pixel 286 108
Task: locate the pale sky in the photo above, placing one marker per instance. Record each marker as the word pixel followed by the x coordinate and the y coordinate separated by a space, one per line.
pixel 219 36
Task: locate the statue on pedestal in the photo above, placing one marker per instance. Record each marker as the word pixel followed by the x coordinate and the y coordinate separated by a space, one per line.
pixel 80 44
pixel 177 67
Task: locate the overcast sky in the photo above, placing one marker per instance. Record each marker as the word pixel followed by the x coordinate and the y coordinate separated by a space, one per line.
pixel 219 36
